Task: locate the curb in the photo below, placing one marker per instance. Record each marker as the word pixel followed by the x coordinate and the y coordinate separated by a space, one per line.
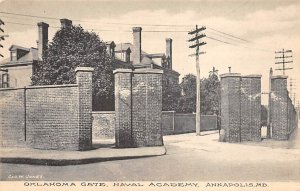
pixel 67 162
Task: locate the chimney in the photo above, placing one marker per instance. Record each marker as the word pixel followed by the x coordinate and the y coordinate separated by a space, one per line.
pixel 42 41
pixel 169 52
pixel 110 47
pixel 137 45
pixel 127 59
pixel 65 23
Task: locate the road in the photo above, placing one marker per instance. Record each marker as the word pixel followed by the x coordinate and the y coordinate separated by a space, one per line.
pixel 189 158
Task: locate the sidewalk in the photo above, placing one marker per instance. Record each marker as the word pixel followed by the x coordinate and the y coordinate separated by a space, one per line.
pixel 64 158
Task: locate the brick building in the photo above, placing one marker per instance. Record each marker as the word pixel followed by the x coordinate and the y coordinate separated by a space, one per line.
pixel 17 70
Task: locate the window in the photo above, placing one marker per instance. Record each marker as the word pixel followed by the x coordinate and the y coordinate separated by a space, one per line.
pixel 5 81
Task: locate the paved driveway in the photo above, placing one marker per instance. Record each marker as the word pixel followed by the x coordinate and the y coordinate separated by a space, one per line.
pixel 189 158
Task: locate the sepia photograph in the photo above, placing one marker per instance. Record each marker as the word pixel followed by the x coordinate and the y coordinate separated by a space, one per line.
pixel 149 95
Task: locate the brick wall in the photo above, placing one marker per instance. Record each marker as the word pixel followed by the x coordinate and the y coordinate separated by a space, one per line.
pixel 186 123
pixel 52 115
pixel 172 123
pixel 146 107
pixel 283 118
pixel 103 125
pixel 12 117
pixel 230 106
pixel 168 122
pixel 49 117
pixel 123 106
pixel 251 108
pixel 84 81
pixel 241 107
pixel 138 96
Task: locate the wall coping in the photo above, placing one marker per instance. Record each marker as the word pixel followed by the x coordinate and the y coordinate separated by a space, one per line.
pixel 103 112
pixel 192 114
pixel 148 71
pixel 168 111
pixel 252 76
pixel 136 29
pixel 279 76
pixel 84 69
pixel 139 71
pixel 7 89
pixel 122 70
pixel 230 75
pixel 51 86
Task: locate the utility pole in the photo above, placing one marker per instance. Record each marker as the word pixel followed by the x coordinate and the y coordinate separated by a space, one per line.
pixel 214 71
pixel 284 55
pixel 2 36
pixel 269 125
pixel 196 39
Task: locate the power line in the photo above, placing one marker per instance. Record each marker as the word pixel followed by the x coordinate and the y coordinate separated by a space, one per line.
pixel 25 24
pixel 154 31
pixel 114 23
pixel 228 34
pixel 220 41
pixel 238 45
pixel 130 24
pixel 225 36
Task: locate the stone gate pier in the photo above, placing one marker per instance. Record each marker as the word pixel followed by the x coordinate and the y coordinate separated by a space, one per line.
pixel 240 107
pixel 138 107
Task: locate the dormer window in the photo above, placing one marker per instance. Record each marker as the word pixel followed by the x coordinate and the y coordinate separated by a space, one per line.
pixel 16 52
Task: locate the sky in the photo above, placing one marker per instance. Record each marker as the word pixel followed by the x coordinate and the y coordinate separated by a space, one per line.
pixel 242 34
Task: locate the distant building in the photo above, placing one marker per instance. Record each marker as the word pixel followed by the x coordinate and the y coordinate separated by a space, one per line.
pixel 17 70
pixel 127 55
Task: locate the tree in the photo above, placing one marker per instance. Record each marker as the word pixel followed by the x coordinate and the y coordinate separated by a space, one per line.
pixel 210 94
pixel 264 115
pixel 170 95
pixel 72 47
pixel 187 101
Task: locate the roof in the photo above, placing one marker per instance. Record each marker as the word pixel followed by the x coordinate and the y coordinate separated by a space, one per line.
pixel 14 47
pixel 122 47
pixel 146 62
pixel 31 54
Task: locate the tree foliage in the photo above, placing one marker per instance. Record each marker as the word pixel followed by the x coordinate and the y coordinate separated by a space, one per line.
pixel 264 115
pixel 187 101
pixel 209 96
pixel 170 96
pixel 72 47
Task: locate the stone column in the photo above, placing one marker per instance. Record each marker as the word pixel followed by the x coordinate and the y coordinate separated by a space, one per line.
pixel 230 107
pixel 85 92
pixel 279 107
pixel 123 107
